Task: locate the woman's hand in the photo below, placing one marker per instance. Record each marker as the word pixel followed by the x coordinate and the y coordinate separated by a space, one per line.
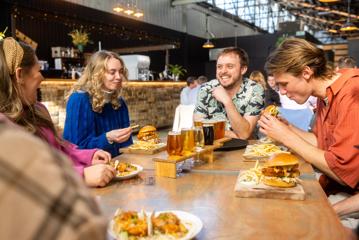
pixel 119 135
pixel 274 128
pixel 98 175
pixel 101 157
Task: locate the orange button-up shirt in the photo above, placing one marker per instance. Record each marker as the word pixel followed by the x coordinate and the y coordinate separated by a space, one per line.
pixel 337 126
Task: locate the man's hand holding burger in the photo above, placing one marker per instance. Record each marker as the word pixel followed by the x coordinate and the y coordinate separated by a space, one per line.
pixel 274 128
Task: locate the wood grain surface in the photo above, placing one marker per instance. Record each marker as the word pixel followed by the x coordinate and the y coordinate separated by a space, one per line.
pixel 207 191
pixel 212 199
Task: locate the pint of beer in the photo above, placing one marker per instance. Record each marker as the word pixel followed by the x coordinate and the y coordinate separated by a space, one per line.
pixel 188 143
pixel 208 133
pixel 219 127
pixel 198 137
pixel 174 144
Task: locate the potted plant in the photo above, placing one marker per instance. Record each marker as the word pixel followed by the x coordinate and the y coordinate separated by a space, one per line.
pixel 80 38
pixel 176 71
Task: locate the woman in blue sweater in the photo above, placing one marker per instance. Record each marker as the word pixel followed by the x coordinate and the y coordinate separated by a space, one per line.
pixel 96 114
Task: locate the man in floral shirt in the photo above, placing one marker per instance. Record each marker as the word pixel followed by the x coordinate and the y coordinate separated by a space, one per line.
pixel 234 98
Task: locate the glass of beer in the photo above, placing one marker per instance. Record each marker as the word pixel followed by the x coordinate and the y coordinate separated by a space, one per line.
pixel 199 143
pixel 219 127
pixel 187 135
pixel 198 120
pixel 174 144
pixel 208 133
pixel 198 138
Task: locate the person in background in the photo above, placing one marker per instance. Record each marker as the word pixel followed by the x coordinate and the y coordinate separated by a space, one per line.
pixel 20 77
pixel 42 197
pixel 232 97
pixel 346 62
pixel 96 114
pixel 271 96
pixel 258 77
pixel 188 94
pixel 300 70
pixel 200 81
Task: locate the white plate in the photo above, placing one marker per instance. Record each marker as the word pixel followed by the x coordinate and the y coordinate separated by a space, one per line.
pixel 190 221
pixel 132 174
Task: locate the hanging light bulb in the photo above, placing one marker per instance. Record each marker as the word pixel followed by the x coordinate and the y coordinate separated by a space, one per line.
pixel 349 26
pixel 129 10
pixel 118 8
pixel 208 43
pixel 138 13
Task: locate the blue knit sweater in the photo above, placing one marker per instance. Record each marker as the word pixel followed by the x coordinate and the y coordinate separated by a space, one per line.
pixel 87 128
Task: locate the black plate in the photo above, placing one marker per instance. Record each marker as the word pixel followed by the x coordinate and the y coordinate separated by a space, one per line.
pixel 233 144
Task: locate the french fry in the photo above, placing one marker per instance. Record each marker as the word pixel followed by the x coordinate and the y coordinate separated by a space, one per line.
pixel 135 126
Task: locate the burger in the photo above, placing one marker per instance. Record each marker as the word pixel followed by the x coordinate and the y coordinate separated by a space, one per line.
pixel 272 110
pixel 148 134
pixel 281 170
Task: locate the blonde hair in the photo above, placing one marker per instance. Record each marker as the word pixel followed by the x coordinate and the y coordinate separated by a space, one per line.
pixel 92 80
pixel 294 54
pixel 258 77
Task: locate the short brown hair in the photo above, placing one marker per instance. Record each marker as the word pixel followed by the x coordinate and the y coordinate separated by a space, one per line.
pixel 346 62
pixel 294 54
pixel 243 56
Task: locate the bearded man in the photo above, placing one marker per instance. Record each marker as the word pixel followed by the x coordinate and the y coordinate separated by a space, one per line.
pixel 232 97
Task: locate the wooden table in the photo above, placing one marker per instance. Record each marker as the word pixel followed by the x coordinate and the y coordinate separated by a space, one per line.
pixel 208 192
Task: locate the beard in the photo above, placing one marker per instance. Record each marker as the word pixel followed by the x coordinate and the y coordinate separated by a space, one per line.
pixel 233 84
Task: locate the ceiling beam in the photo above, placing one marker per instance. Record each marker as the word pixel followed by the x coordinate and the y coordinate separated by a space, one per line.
pixel 183 2
pixel 297 3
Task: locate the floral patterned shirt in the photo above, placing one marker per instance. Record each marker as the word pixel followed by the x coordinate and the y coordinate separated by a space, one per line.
pixel 249 100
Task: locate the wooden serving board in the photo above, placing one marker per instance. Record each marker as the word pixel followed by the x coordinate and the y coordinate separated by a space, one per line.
pixel 144 151
pixel 263 191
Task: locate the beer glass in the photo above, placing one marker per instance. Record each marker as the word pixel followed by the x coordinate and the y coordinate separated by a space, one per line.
pixel 174 144
pixel 219 127
pixel 208 132
pixel 199 143
pixel 198 120
pixel 187 135
pixel 198 138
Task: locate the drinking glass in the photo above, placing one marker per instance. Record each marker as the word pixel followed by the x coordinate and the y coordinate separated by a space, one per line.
pixel 199 143
pixel 188 143
pixel 174 148
pixel 198 138
pixel 187 135
pixel 208 133
pixel 219 129
pixel 174 144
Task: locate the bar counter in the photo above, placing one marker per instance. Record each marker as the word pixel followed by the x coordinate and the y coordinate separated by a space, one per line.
pixel 149 102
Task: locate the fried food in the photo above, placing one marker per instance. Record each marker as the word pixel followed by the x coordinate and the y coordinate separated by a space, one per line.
pixel 169 223
pixel 132 223
pixel 123 169
pixel 262 150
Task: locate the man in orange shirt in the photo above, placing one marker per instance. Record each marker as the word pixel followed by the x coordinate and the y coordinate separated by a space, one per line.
pixel 300 70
